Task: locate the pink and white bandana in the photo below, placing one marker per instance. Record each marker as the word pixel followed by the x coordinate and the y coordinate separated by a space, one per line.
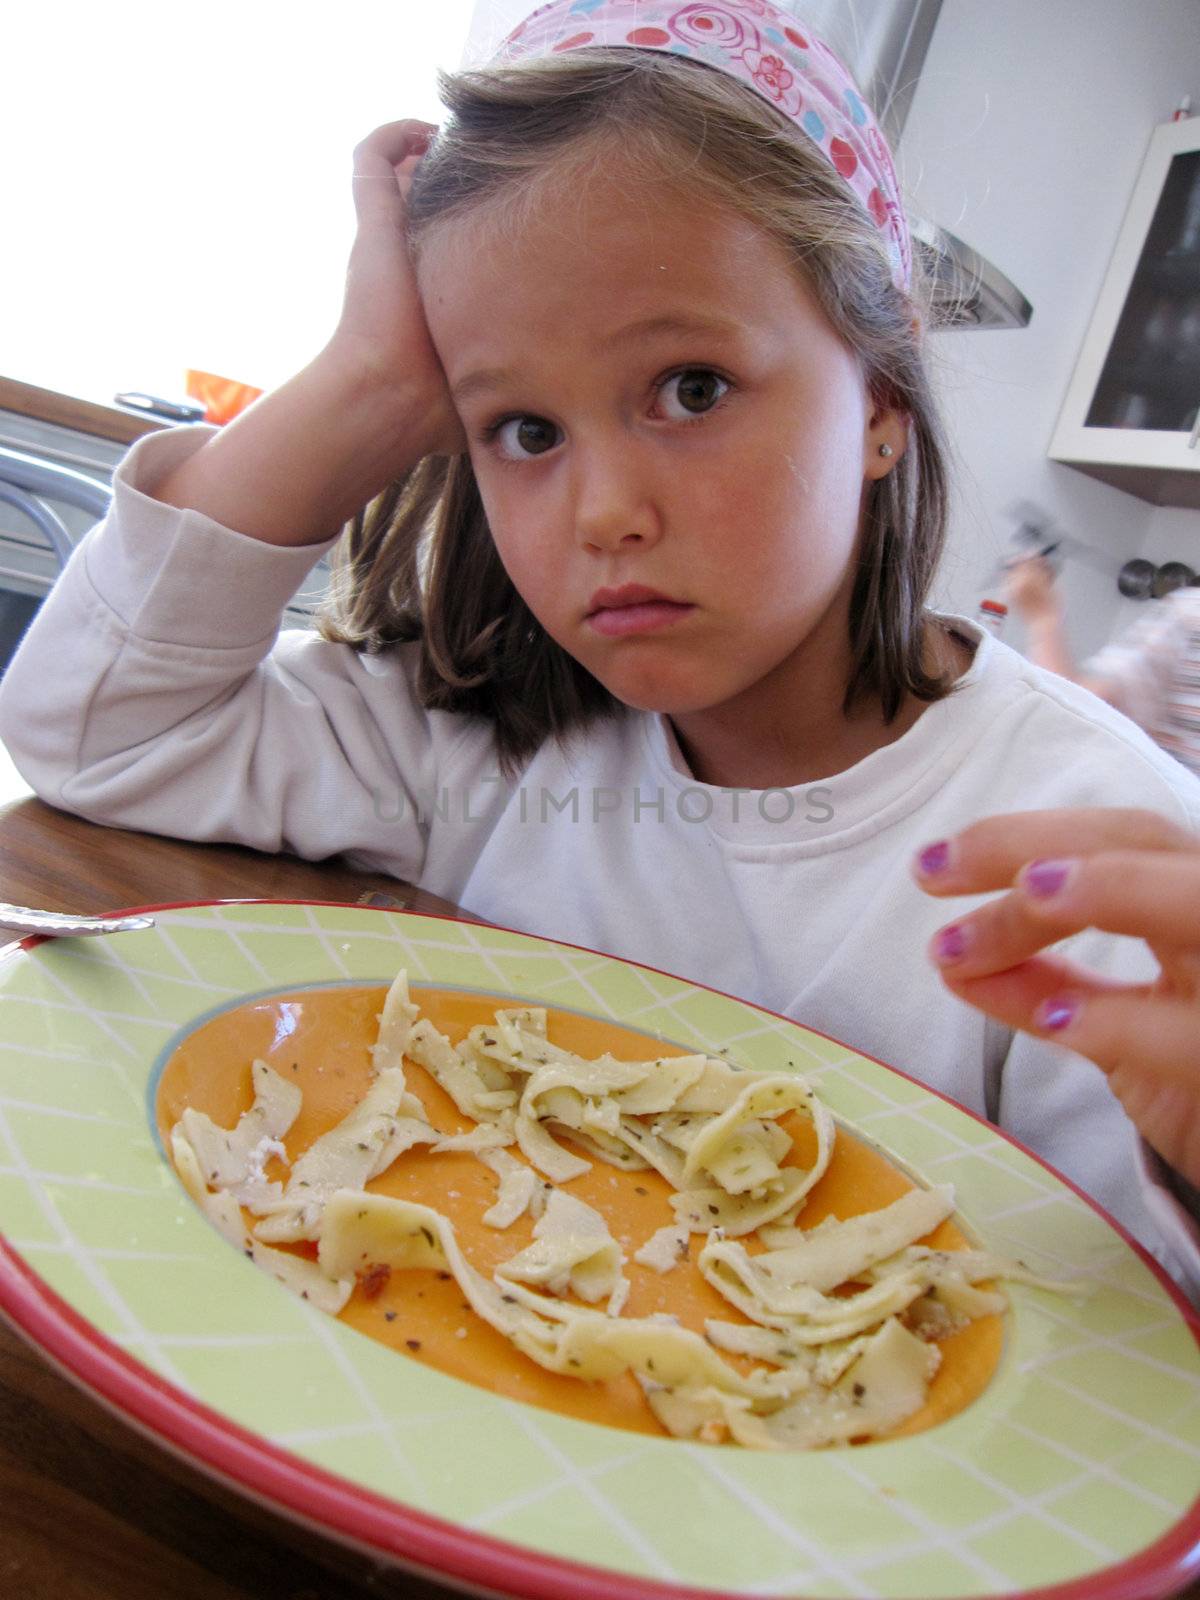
pixel 766 48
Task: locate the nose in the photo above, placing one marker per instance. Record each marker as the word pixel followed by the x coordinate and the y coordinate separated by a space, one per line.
pixel 616 501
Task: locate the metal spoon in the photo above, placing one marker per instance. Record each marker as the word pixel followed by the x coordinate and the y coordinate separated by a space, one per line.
pixel 62 925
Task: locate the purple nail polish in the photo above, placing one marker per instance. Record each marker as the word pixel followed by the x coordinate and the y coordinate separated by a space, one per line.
pixel 1045 878
pixel 1054 1015
pixel 951 944
pixel 934 858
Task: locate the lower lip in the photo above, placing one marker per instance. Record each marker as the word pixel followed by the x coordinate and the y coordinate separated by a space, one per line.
pixel 617 621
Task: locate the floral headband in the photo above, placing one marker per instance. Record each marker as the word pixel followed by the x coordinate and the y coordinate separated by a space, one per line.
pixel 767 49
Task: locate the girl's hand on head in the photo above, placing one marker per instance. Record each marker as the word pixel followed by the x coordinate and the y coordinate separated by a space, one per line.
pixel 382 335
pixel 1059 872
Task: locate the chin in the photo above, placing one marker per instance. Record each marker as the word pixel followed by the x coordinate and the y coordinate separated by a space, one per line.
pixel 662 696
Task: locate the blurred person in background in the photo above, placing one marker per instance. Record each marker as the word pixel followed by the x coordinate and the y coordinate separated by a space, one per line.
pixel 1151 673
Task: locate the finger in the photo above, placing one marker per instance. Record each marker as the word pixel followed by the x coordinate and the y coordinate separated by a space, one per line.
pixel 388 145
pixel 1018 994
pixel 1148 894
pixel 989 854
pixel 1147 1045
pixel 1151 895
pixel 383 167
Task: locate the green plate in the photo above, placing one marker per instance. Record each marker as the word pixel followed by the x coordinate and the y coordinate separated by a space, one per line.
pixel 1076 1471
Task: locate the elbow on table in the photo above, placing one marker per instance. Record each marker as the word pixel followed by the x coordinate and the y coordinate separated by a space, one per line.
pixel 39 748
pixel 22 763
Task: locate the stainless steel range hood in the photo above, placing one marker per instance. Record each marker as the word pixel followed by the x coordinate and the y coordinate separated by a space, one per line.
pixel 884 43
pixel 968 292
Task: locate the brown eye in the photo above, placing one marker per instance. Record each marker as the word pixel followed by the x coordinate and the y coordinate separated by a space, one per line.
pixel 693 392
pixel 521 437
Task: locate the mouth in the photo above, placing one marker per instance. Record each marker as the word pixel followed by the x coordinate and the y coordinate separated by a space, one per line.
pixel 633 609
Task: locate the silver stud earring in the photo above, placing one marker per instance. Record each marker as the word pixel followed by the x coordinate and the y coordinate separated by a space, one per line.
pixel 886 450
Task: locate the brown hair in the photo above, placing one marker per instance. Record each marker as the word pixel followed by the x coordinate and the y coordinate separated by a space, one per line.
pixel 420 564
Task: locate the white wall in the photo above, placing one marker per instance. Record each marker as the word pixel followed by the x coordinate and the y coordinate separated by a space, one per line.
pixel 1025 137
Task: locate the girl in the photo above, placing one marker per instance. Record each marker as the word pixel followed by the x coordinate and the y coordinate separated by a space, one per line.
pixel 631 647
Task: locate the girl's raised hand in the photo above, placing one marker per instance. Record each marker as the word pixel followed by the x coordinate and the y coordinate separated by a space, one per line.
pixel 1129 872
pixel 382 333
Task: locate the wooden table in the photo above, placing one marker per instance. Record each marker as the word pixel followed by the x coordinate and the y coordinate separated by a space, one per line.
pixel 89 1510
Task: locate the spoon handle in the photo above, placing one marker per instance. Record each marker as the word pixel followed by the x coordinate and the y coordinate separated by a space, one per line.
pixel 61 924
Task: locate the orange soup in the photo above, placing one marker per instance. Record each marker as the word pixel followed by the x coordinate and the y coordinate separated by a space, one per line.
pixel 320 1039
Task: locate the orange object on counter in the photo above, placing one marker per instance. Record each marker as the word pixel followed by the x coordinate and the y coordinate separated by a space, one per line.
pixel 222 398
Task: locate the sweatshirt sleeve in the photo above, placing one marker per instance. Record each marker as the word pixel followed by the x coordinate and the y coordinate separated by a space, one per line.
pixel 154 691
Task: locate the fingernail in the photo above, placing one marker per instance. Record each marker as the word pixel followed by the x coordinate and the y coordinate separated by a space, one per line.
pixel 1055 1015
pixel 951 944
pixel 1045 878
pixel 934 858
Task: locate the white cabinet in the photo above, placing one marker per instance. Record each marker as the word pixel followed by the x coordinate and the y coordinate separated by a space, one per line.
pixel 1132 413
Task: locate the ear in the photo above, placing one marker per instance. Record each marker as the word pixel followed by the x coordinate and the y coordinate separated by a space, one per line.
pixel 884 441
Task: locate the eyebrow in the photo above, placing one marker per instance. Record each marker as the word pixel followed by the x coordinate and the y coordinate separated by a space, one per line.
pixel 486 378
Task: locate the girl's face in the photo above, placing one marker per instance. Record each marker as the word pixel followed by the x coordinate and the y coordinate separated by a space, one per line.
pixel 671 442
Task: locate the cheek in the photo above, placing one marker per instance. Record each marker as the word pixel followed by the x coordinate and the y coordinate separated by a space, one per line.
pixel 521 536
pixel 789 523
pixel 800 465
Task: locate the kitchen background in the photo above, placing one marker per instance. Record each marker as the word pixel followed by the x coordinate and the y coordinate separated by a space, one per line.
pixel 1026 134
pixel 180 195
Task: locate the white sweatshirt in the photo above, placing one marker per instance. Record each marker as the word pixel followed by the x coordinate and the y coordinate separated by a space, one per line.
pixel 152 693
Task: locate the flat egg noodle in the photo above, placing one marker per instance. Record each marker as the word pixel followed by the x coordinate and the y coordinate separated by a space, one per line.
pixel 519 1190
pixel 734 1216
pixel 483 1136
pixel 974 1265
pixel 546 1154
pixel 303 1277
pixel 769 1096
pixel 826 1362
pixel 805 1314
pixel 836 1252
pixel 364 1230
pixel 883 1387
pixel 612 1149
pixel 664 1249
pixel 226 1154
pixel 572 1252
pixel 358 1148
pixel 887 1384
pixel 453 1071
pixel 395 1025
